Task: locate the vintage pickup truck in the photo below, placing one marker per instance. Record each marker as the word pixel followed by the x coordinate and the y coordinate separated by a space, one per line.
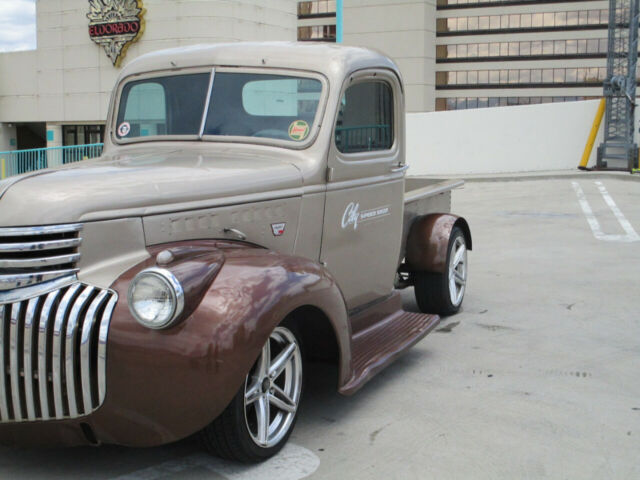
pixel 250 213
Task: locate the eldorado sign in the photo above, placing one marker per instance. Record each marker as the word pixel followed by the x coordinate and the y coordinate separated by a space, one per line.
pixel 115 24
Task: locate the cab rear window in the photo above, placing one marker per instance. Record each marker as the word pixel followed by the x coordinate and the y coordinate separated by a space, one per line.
pixel 365 118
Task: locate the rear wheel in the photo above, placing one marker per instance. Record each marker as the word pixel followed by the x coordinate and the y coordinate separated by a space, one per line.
pixel 260 418
pixel 443 293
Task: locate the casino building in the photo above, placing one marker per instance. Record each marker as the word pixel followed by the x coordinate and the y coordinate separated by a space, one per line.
pixel 58 94
pixel 453 54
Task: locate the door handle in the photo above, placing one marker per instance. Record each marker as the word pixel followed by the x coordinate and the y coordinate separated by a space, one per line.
pixel 400 169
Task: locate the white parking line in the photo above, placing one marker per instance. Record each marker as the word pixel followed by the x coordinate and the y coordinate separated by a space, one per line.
pixel 631 234
pixel 292 463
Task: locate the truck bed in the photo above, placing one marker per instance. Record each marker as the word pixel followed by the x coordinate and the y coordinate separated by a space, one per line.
pixel 426 195
pixel 418 188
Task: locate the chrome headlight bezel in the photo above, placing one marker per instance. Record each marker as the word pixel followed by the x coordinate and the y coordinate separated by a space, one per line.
pixel 174 288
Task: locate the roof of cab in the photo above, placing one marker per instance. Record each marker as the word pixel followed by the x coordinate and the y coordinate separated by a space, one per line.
pixel 334 61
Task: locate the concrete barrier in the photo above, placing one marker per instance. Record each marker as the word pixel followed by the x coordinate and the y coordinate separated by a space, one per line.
pixel 524 138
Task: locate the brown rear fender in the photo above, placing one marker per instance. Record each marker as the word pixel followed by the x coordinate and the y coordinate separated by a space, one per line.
pixel 428 241
pixel 164 385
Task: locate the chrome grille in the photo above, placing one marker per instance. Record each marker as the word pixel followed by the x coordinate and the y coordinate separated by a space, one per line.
pixel 53 354
pixel 31 255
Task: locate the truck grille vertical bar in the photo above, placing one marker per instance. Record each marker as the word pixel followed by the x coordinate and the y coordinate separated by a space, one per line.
pixel 70 349
pixel 102 348
pixel 58 345
pixel 86 348
pixel 15 354
pixel 44 352
pixel 53 350
pixel 4 407
pixel 29 320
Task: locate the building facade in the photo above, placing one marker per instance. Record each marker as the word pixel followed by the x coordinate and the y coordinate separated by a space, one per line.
pixel 58 94
pixel 518 52
pixel 405 31
pixel 453 54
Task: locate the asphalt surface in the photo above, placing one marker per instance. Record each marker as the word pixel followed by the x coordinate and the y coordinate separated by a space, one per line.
pixel 537 377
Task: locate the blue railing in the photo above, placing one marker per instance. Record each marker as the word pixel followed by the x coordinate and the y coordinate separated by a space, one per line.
pixel 22 161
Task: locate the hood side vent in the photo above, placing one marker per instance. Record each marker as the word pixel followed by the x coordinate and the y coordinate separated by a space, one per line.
pixel 33 255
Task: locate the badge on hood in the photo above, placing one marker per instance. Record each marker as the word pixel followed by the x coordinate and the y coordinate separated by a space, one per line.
pixel 278 229
pixel 115 24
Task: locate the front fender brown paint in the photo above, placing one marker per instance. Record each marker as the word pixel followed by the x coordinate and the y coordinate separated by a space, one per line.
pixel 163 385
pixel 428 241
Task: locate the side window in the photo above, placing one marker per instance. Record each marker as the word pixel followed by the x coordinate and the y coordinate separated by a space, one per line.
pixel 365 118
pixel 146 110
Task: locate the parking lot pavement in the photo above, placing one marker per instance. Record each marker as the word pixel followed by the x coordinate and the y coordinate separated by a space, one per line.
pixel 537 377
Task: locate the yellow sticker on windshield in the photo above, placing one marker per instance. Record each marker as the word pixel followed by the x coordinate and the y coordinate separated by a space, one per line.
pixel 298 130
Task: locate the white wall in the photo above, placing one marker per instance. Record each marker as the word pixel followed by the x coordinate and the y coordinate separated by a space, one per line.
pixel 526 138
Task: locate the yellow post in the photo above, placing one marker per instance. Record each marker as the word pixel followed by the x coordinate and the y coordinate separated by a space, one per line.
pixel 592 135
pixel 3 169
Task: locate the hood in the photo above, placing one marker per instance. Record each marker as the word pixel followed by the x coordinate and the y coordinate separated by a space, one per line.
pixel 143 183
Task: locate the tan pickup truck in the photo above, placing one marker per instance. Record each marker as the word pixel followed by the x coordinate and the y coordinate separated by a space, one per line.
pixel 250 213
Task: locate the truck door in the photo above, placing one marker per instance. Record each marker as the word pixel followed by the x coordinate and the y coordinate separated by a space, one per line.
pixel 365 188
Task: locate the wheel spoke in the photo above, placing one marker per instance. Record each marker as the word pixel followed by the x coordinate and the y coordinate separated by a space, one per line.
pixel 263 416
pixel 459 255
pixel 453 288
pixel 253 393
pixel 279 364
pixel 281 400
pixel 459 279
pixel 265 361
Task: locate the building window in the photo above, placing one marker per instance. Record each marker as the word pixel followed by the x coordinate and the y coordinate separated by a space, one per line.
pixel 531 48
pixel 82 134
pixel 465 103
pixel 533 76
pixel 365 118
pixel 319 8
pixel 444 4
pixel 318 33
pixel 523 22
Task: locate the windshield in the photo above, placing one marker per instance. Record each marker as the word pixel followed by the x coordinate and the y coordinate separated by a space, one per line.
pixel 258 105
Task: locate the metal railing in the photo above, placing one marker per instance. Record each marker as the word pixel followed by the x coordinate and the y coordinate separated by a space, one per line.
pixel 22 161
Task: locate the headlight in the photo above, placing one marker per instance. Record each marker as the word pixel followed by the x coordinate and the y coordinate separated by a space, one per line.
pixel 156 298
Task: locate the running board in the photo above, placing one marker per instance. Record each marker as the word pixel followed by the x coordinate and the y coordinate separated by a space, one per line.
pixel 377 346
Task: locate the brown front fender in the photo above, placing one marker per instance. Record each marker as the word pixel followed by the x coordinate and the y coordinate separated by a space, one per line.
pixel 428 241
pixel 163 385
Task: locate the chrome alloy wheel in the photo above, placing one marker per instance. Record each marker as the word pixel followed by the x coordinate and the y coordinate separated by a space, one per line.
pixel 457 270
pixel 273 388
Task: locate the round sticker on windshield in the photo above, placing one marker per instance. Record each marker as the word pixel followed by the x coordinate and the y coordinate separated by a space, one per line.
pixel 124 129
pixel 298 130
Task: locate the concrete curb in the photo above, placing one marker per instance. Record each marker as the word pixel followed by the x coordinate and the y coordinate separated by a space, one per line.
pixel 525 176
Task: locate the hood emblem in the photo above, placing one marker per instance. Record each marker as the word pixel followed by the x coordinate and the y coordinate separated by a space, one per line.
pixel 115 24
pixel 278 229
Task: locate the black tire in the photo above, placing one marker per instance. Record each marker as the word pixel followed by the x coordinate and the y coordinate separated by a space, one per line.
pixel 233 435
pixel 433 290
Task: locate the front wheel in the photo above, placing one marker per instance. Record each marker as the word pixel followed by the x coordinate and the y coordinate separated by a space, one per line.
pixel 260 418
pixel 442 293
